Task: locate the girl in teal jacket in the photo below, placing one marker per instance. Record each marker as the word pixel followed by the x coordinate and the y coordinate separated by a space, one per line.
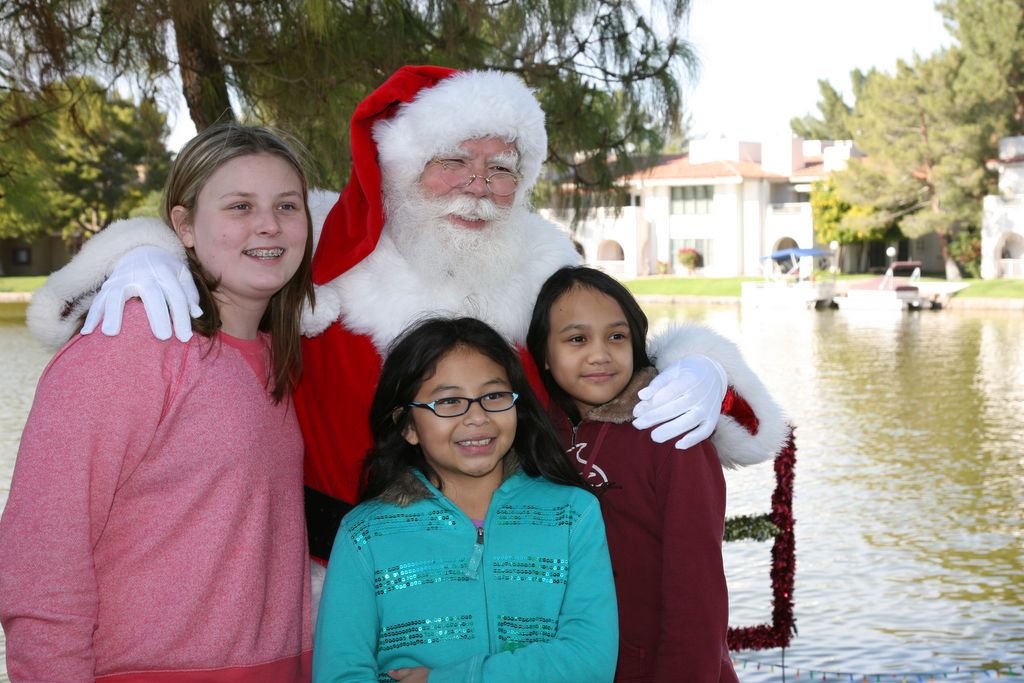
pixel 477 556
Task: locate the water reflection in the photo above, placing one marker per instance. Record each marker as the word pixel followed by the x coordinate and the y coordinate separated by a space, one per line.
pixel 909 498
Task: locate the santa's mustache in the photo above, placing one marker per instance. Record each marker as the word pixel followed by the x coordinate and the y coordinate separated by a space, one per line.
pixel 470 208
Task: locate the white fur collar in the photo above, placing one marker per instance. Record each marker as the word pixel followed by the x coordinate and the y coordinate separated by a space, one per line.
pixel 382 295
pixel 60 305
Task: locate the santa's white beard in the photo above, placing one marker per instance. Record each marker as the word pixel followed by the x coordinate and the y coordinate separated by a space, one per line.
pixel 438 248
pixel 493 274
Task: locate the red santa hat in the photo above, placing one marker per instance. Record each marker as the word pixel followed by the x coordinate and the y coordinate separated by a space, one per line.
pixel 419 112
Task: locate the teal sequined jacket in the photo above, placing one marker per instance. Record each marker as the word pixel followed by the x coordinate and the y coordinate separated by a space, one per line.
pixel 530 597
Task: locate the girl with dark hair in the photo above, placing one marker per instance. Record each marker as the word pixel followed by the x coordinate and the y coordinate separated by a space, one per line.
pixel 476 554
pixel 664 509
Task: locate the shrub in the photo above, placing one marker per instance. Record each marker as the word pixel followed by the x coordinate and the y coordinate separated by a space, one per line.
pixel 688 257
pixel 965 248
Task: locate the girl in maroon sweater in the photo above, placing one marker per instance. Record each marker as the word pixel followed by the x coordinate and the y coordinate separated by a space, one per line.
pixel 664 509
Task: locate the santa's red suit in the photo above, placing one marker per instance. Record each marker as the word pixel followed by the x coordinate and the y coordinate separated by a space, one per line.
pixel 369 289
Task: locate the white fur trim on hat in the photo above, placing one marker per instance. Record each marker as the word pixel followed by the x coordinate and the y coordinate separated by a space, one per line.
pixel 320 204
pixel 465 106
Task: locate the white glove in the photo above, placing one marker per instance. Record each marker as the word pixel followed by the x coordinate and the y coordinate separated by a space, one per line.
pixel 157 277
pixel 686 397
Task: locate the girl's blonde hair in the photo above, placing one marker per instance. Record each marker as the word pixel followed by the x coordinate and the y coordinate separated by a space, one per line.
pixel 196 162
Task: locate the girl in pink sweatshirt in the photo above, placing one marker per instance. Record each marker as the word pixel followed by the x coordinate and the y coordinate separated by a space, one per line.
pixel 154 530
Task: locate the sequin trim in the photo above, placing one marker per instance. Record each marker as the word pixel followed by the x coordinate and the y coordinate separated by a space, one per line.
pixel 516 632
pixel 550 570
pixel 420 573
pixel 399 523
pixel 517 515
pixel 426 632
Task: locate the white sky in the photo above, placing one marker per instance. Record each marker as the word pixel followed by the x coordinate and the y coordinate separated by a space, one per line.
pixel 182 128
pixel 761 59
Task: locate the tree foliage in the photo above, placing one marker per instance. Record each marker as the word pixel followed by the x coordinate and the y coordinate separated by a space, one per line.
pixel 991 36
pixel 607 72
pixel 926 150
pixel 834 120
pixel 845 223
pixel 836 219
pixel 928 130
pixel 966 251
pixel 76 157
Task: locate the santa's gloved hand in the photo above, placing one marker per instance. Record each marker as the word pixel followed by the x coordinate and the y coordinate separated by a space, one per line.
pixel 686 397
pixel 157 277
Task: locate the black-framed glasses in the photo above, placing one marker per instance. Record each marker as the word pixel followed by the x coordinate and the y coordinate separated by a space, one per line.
pixel 453 406
pixel 456 174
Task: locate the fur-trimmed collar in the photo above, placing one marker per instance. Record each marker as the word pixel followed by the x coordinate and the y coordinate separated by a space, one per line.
pixel 736 446
pixel 620 409
pixel 59 306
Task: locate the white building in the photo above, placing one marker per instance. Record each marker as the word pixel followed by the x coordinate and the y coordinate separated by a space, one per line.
pixel 732 201
pixel 1002 225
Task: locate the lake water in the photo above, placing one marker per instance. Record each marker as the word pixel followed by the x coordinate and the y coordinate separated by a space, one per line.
pixel 909 495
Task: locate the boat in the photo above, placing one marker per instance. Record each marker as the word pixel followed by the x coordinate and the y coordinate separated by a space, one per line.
pixel 795 286
pixel 899 289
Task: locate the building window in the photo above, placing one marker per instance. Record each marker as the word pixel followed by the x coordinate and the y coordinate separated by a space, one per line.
pixel 782 194
pixel 21 256
pixel 702 246
pixel 692 199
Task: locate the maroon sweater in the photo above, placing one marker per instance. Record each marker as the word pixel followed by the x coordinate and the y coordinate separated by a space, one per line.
pixel 664 512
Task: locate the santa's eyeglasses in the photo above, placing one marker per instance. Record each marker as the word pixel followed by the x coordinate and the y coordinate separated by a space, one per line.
pixel 456 173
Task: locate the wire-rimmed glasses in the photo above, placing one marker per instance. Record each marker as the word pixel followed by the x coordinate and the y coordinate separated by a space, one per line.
pixel 457 174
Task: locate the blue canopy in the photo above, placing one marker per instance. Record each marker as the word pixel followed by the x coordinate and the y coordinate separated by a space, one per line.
pixel 794 253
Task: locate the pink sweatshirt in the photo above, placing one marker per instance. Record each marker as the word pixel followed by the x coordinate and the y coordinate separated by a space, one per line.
pixel 154 530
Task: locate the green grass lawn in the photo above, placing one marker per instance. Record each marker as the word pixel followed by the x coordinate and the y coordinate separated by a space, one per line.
pixel 687 286
pixel 21 284
pixel 676 286
pixel 994 289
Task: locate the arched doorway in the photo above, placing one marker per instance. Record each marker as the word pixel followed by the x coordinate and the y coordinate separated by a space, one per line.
pixel 610 250
pixel 787 265
pixel 785 243
pixel 611 258
pixel 1009 254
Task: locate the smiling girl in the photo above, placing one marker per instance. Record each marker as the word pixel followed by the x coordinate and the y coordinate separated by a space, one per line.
pixel 156 534
pixel 477 555
pixel 664 508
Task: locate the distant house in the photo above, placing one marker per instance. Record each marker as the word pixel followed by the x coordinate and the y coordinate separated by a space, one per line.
pixel 731 201
pixel 1002 227
pixel 38 257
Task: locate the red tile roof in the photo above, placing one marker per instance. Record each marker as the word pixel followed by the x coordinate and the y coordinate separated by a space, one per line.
pixel 678 166
pixel 815 169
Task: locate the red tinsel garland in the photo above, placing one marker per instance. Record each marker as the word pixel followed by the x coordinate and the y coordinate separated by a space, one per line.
pixel 783 572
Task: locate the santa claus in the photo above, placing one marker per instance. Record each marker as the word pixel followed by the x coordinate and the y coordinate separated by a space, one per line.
pixel 434 220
